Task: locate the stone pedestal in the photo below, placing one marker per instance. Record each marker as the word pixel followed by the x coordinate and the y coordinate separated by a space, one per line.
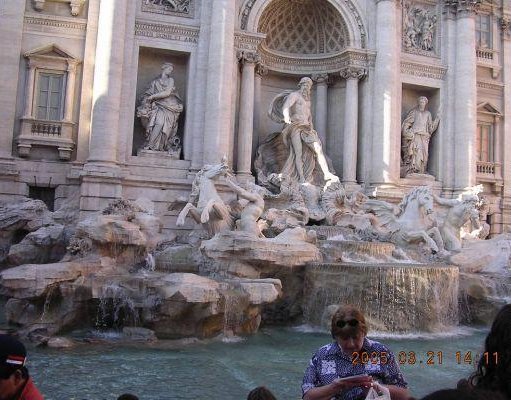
pixel 159 154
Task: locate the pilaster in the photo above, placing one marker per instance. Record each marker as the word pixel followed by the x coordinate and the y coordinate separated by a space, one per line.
pixel 465 101
pixel 385 91
pixel 505 25
pixel 218 129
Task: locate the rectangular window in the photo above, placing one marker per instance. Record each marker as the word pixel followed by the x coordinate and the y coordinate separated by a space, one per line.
pixel 49 101
pixel 485 143
pixel 483 31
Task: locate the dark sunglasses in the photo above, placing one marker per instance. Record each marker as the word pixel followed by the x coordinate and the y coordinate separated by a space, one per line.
pixel 341 324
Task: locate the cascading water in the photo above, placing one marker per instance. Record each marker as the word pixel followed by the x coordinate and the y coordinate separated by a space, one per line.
pixel 394 297
pixel 116 308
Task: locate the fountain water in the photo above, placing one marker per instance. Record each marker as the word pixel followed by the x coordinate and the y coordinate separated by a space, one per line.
pixel 116 308
pixel 394 297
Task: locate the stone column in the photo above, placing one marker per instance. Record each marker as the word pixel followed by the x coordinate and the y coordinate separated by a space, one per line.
pixel 106 92
pixel 349 161
pixel 321 112
pixel 384 153
pixel 11 32
pixel 28 112
pixel 497 157
pixel 465 101
pixel 218 126
pixel 248 61
pixel 70 90
pixel 260 72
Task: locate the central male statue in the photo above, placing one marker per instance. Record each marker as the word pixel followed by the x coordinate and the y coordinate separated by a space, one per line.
pixel 294 109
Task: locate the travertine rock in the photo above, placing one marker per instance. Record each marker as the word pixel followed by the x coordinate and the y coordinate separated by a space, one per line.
pixel 47 244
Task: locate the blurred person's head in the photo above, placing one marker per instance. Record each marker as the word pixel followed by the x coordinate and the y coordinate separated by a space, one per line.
pixel 261 393
pixel 462 394
pixel 13 373
pixel 494 367
pixel 349 328
pixel 127 396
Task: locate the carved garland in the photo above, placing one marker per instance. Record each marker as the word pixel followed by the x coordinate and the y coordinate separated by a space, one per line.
pixel 245 13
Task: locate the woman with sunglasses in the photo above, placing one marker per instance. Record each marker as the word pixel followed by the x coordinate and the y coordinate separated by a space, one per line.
pixel 351 355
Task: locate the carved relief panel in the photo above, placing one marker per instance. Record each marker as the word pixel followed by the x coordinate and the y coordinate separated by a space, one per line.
pixel 182 8
pixel 420 28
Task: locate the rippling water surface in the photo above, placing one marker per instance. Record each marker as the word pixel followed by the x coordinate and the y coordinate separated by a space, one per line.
pixel 225 370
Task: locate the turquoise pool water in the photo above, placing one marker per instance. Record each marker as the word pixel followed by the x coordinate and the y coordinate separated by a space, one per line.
pixel 217 370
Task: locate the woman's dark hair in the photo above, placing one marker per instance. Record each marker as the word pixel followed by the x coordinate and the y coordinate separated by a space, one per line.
pixel 494 367
pixel 127 396
pixel 458 394
pixel 261 393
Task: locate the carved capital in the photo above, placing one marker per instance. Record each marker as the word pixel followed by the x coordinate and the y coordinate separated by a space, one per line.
pixel 321 79
pixel 261 69
pixel 353 73
pixel 467 7
pixel 505 25
pixel 248 57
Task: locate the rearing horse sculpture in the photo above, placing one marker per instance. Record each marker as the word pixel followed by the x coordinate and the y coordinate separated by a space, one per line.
pixel 412 220
pixel 205 205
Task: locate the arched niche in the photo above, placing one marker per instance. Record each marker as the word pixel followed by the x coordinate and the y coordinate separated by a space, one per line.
pixel 253 10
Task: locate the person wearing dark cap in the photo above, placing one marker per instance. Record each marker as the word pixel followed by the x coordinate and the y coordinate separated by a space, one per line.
pixel 348 367
pixel 15 382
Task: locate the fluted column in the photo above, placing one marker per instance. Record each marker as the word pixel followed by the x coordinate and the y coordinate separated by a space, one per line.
pixel 106 93
pixel 349 162
pixel 506 139
pixel 246 113
pixel 465 101
pixel 321 112
pixel 385 154
pixel 218 127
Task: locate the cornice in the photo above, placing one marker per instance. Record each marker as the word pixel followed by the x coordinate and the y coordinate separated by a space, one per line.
pixel 59 23
pixel 188 34
pixel 317 64
pixel 248 41
pixel 490 85
pixel 423 70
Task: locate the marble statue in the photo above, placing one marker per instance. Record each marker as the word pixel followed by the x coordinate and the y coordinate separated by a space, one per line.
pixel 204 204
pixel 416 131
pixel 252 211
pixel 459 213
pixel 159 113
pixel 301 140
pixel 412 221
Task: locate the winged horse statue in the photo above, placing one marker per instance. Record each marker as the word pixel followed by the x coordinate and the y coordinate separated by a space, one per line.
pixel 412 221
pixel 204 204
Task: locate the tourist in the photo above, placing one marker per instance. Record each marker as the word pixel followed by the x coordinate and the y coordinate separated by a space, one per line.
pixel 494 366
pixel 351 355
pixel 127 396
pixel 15 382
pixel 261 393
pixel 462 394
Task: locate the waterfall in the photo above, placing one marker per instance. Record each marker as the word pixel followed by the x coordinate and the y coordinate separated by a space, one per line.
pixel 394 297
pixel 116 308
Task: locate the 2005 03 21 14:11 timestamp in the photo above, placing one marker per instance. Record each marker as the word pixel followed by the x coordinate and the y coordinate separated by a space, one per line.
pixel 438 358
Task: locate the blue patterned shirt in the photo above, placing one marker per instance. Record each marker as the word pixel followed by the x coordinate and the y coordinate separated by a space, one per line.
pixel 329 362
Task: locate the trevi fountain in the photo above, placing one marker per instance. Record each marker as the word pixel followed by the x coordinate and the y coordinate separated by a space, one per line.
pixel 253 286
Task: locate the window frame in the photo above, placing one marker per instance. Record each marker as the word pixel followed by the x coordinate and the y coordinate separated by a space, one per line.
pixel 478 31
pixel 37 91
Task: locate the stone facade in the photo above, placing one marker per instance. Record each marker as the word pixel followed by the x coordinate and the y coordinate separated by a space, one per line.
pixel 73 73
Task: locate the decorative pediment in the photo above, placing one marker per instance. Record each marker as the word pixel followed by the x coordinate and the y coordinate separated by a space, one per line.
pixel 488 108
pixel 50 51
